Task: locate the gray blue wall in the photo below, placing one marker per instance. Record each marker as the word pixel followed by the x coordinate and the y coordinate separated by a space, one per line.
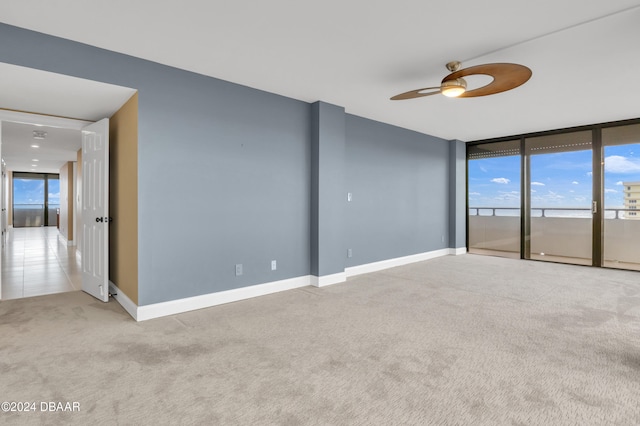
pixel 457 194
pixel 400 185
pixel 225 176
pixel 327 189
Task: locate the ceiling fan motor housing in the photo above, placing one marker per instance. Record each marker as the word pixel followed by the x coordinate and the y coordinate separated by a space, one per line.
pixel 453 88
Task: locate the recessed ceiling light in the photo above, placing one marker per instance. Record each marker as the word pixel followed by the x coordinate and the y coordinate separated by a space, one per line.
pixel 39 134
pixel 34 159
pixel 35 146
pixel 34 165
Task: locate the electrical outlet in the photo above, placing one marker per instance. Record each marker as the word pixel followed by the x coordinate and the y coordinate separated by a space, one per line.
pixel 349 253
pixel 238 269
pixel 274 265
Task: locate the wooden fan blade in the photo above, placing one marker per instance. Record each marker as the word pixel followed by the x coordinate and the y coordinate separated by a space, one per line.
pixel 416 94
pixel 505 77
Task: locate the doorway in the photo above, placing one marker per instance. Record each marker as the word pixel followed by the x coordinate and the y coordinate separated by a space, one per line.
pixel 39 256
pixel 65 96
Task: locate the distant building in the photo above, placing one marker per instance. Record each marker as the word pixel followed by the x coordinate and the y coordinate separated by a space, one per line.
pixel 632 199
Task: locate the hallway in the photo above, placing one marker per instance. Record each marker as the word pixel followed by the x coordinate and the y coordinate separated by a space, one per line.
pixel 35 262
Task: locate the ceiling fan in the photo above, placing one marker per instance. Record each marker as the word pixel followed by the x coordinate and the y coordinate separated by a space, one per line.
pixel 505 77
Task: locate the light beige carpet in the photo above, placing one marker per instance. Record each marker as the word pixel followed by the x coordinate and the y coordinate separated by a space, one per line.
pixel 466 340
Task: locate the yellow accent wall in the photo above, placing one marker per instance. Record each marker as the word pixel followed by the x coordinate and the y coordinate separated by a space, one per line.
pixel 66 201
pixel 79 201
pixel 123 198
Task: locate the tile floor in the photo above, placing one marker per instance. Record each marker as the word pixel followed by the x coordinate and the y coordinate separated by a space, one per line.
pixel 35 262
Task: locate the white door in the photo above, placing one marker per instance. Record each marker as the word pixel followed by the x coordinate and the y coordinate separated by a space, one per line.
pixel 95 209
pixel 1 197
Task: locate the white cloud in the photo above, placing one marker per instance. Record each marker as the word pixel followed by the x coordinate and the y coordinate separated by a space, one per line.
pixel 607 190
pixel 619 183
pixel 483 169
pixel 537 183
pixel 620 164
pixel 474 193
pixel 554 196
pixel 589 173
pixel 513 195
pixel 533 191
pixel 580 199
pixel 575 182
pixel 501 180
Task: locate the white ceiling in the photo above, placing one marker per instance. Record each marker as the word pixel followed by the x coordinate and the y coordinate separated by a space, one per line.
pixel 59 146
pixel 358 53
pixel 25 89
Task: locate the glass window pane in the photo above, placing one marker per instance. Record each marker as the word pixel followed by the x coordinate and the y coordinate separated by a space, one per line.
pixel 561 191
pixel 53 200
pixel 494 198
pixel 622 197
pixel 561 218
pixel 28 201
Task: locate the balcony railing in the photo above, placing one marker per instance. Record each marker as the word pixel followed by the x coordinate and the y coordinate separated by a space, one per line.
pixel 542 211
pixel 560 232
pixel 33 215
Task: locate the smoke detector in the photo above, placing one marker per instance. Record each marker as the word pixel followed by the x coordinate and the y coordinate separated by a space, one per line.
pixel 39 134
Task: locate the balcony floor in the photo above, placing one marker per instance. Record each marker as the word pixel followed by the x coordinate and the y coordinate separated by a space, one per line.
pixel 614 264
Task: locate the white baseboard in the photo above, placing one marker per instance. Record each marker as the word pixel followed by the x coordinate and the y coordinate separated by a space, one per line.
pixel 63 240
pixel 172 307
pixel 124 301
pixel 328 279
pixel 208 300
pixel 392 263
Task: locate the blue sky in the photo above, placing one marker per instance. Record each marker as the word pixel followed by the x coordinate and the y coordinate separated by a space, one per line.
pixel 557 180
pixel 31 191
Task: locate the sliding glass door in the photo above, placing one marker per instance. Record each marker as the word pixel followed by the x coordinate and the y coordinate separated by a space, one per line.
pixel 567 196
pixel 36 199
pixel 622 197
pixel 560 188
pixel 494 199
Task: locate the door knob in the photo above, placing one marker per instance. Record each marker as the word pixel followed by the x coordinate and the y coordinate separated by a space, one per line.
pixel 99 219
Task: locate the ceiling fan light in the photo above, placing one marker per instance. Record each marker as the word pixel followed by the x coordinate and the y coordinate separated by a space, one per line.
pixel 453 88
